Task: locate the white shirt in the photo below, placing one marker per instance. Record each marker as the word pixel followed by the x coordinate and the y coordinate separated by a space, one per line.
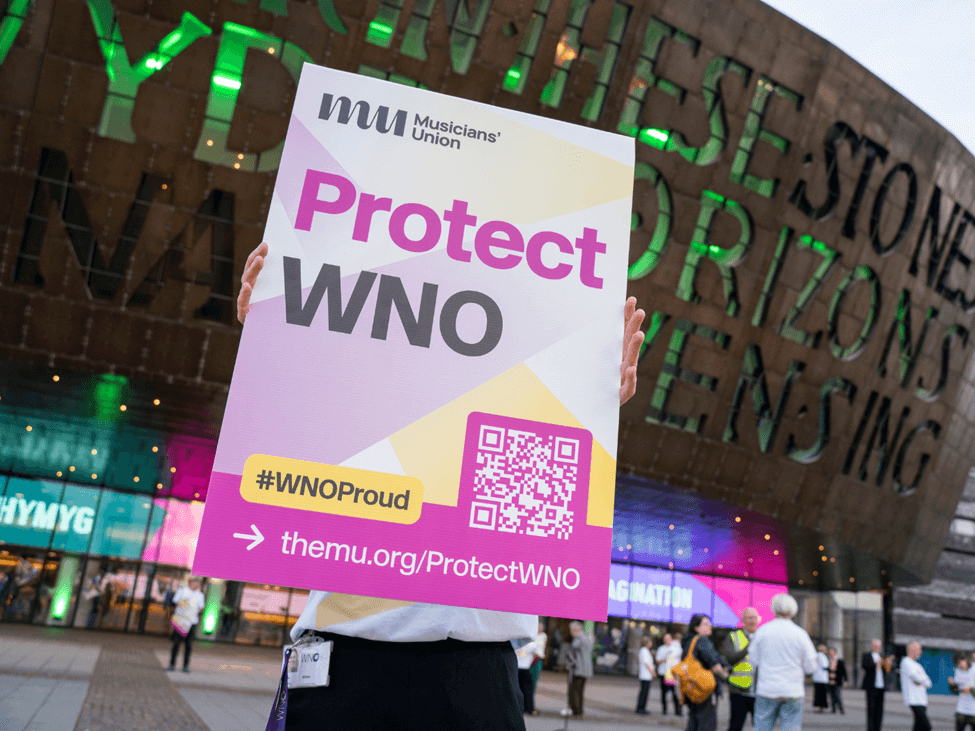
pixel 675 655
pixel 646 664
pixel 541 643
pixel 418 622
pixel 821 673
pixel 965 679
pixel 189 603
pixel 878 677
pixel 525 655
pixel 663 652
pixel 914 682
pixel 783 655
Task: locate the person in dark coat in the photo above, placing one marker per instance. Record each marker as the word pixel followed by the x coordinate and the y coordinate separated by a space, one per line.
pixel 703 716
pixel 876 668
pixel 837 676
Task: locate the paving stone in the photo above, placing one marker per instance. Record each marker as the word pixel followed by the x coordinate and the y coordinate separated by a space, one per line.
pixel 129 691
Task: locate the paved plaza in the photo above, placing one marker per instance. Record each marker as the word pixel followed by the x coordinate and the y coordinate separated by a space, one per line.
pixel 78 680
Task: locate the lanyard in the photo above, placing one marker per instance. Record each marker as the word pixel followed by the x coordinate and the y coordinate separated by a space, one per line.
pixel 279 711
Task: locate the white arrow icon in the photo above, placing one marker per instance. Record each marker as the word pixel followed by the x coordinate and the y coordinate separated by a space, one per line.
pixel 254 539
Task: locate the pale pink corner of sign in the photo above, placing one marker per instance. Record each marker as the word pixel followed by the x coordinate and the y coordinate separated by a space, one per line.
pixel 303 151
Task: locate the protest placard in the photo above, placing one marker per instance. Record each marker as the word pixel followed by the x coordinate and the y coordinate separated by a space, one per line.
pixel 425 401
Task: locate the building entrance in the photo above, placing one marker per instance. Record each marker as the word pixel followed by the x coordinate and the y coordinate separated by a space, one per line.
pixel 27 580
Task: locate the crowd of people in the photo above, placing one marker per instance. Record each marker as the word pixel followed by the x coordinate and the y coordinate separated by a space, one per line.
pixel 764 670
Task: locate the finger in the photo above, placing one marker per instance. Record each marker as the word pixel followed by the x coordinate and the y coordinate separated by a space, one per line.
pixel 244 301
pixel 628 309
pixel 261 250
pixel 250 273
pixel 634 340
pixel 633 319
pixel 628 386
pixel 628 380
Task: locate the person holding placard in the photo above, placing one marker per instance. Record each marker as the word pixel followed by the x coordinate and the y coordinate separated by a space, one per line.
pixel 413 665
pixel 189 602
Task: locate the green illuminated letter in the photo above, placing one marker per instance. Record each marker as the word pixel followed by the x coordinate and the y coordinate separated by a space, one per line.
pixel 124 78
pixel 725 259
pixel 850 352
pixel 754 133
pixel 517 76
pixel 645 76
pixel 809 455
pixel 753 378
pixel 788 327
pixel 224 88
pixel 909 351
pixel 671 371
pixel 711 88
pixel 661 231
pixel 13 21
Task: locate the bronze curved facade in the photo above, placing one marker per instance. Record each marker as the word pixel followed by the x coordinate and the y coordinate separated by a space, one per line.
pixel 801 232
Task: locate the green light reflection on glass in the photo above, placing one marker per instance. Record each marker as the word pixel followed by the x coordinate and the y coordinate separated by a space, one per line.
pixel 224 81
pixel 108 396
pixel 379 34
pixel 656 138
pixel 211 611
pixel 63 586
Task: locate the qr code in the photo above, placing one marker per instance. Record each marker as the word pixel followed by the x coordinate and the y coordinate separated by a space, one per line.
pixel 523 481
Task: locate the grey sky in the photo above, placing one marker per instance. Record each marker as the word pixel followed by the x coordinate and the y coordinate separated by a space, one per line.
pixel 922 48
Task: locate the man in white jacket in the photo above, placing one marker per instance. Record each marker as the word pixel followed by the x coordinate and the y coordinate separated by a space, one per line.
pixel 914 687
pixel 782 655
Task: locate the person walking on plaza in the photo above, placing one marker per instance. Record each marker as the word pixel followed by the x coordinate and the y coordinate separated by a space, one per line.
pixel 703 715
pixel 580 667
pixel 668 655
pixel 875 668
pixel 525 653
pixel 189 603
pixel 837 676
pixel 820 679
pixel 645 659
pixel 741 684
pixel 914 687
pixel 963 685
pixel 541 647
pixel 782 655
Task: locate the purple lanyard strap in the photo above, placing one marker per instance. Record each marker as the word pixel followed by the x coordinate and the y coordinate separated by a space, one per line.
pixel 279 711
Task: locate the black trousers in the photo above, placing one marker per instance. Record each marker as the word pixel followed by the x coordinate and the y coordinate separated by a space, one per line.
pixel 875 708
pixel 641 700
pixel 187 643
pixel 962 721
pixel 577 690
pixel 412 686
pixel 702 716
pixel 672 690
pixel 741 706
pixel 820 695
pixel 921 722
pixel 527 685
pixel 836 698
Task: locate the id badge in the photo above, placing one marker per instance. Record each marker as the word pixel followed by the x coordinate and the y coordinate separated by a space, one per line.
pixel 308 664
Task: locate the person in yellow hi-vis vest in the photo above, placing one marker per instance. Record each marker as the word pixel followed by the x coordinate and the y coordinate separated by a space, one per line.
pixel 741 684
